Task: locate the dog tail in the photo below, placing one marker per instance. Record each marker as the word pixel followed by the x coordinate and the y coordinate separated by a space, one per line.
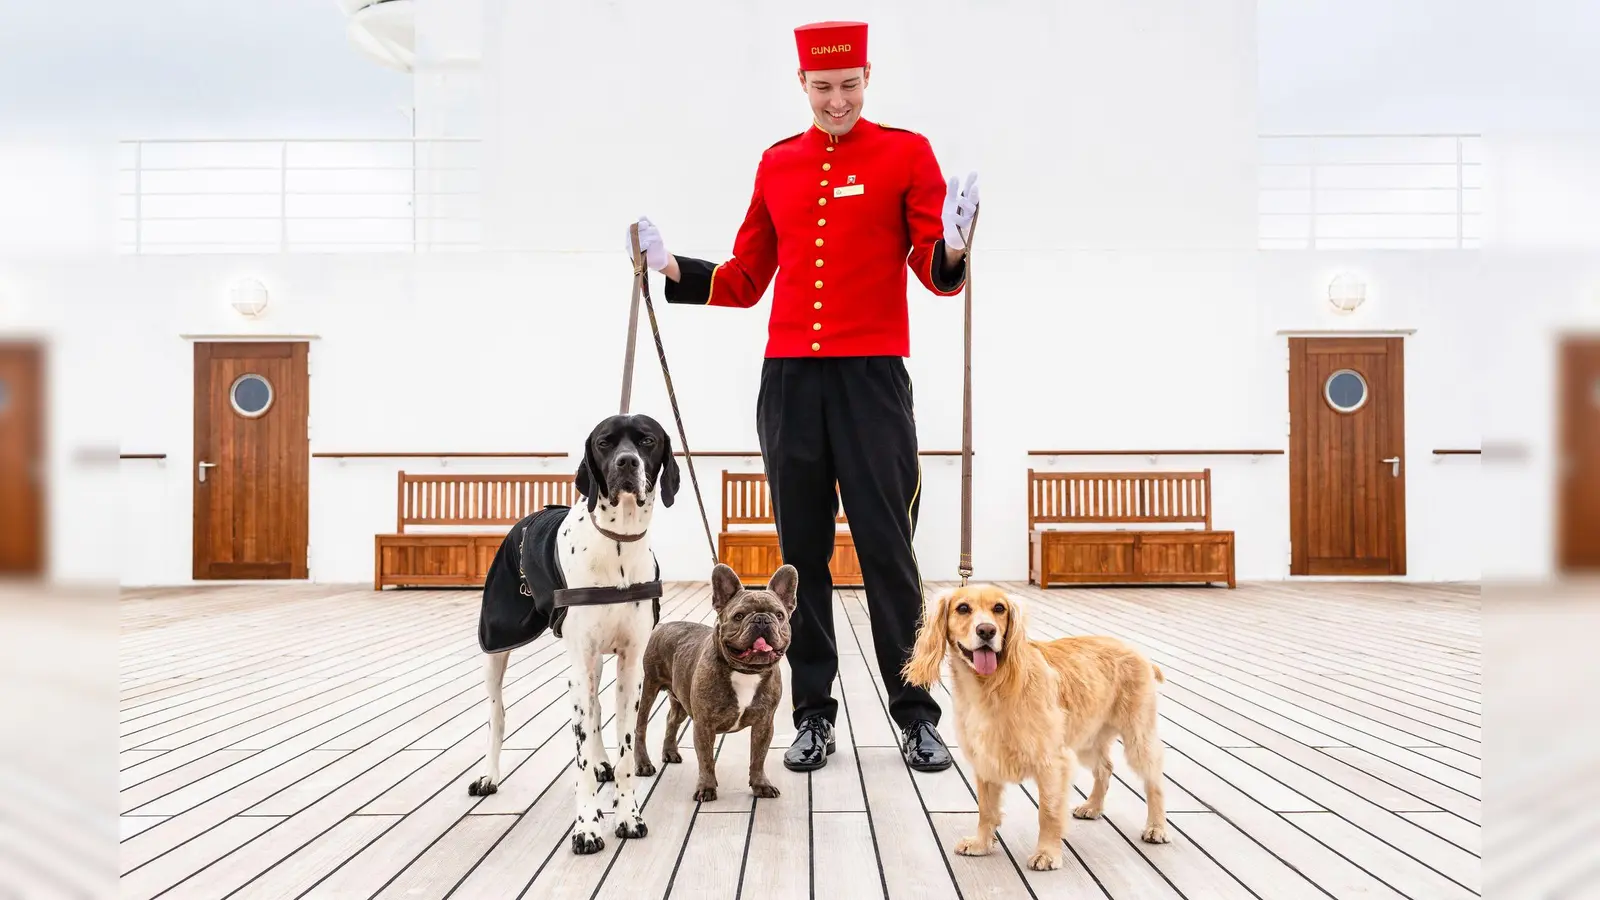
pixel 1160 676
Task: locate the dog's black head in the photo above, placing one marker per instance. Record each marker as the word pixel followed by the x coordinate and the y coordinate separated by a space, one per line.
pixel 627 455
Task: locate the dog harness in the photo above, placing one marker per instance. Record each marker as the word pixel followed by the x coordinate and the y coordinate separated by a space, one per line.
pixel 524 592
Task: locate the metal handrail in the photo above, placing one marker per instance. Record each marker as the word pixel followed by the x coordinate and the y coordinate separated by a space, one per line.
pixel 1348 204
pixel 336 193
pixel 1314 191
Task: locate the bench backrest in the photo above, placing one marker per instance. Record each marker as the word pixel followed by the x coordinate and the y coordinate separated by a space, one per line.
pixel 1120 497
pixel 747 500
pixel 479 499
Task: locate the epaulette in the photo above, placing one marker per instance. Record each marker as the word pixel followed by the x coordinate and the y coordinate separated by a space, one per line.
pixel 905 130
pixel 787 139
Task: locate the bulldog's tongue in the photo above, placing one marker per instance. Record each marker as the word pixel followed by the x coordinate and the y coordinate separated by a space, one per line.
pixel 761 646
pixel 984 660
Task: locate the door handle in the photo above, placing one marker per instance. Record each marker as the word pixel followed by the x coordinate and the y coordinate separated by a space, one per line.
pixel 202 469
pixel 1395 461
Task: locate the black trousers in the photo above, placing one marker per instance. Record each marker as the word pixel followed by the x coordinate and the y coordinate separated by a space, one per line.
pixel 848 419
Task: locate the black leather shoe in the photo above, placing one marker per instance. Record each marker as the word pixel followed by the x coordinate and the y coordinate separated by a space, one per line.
pixel 923 749
pixel 811 746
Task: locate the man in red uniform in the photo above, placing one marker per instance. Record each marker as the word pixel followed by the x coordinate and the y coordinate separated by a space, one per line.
pixel 838 214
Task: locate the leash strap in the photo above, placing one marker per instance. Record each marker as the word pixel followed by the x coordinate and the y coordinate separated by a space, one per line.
pixel 641 284
pixel 599 596
pixel 633 322
pixel 965 566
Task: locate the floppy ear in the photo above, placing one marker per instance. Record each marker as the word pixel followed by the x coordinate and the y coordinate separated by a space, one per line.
pixel 785 583
pixel 922 669
pixel 1016 626
pixel 725 586
pixel 591 480
pixel 669 472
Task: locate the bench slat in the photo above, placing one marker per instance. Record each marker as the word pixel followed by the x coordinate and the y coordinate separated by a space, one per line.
pixel 747 500
pixel 1119 497
pixel 478 499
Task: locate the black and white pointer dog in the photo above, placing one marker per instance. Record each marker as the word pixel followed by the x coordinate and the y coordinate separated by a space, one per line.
pixel 596 557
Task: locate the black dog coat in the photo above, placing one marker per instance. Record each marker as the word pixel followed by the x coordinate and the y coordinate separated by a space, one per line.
pixel 519 590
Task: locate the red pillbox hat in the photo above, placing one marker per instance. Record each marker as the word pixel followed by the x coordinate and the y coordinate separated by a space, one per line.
pixel 831 45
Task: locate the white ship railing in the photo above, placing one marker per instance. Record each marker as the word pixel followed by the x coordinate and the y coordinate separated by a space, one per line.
pixel 298 195
pixel 1320 192
pixel 1366 191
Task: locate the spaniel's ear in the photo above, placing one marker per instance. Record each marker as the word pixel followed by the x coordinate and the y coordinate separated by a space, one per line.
pixel 1016 628
pixel 922 669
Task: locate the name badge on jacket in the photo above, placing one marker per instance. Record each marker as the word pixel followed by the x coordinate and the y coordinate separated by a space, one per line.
pixel 849 190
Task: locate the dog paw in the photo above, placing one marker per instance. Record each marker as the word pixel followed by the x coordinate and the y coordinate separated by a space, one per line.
pixel 483 787
pixel 1086 811
pixel 587 840
pixel 1044 861
pixel 671 756
pixel 631 827
pixel 705 794
pixel 973 846
pixel 764 791
pixel 1155 834
pixel 604 773
pixel 644 769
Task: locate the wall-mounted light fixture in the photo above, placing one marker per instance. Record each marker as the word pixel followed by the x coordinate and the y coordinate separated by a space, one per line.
pixel 1346 292
pixel 248 297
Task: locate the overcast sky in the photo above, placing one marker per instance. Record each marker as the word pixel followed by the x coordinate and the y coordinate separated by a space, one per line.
pixel 124 68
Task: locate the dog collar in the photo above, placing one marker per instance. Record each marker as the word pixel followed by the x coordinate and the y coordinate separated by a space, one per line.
pixel 599 596
pixel 625 538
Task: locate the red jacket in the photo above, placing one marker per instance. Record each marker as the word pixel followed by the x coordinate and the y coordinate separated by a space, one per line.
pixel 838 220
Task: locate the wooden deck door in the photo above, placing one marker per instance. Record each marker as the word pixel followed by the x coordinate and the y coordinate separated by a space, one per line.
pixel 252 460
pixel 22 467
pixel 1579 463
pixel 1347 457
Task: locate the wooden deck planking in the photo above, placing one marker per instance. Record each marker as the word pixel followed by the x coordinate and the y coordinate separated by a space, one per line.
pixel 1324 740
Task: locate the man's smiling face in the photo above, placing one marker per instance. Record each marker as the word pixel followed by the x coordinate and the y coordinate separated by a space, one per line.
pixel 836 96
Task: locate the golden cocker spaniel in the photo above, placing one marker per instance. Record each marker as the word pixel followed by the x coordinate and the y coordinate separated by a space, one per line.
pixel 1034 709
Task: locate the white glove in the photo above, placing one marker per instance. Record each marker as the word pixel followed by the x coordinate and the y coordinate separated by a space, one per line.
pixel 655 250
pixel 959 206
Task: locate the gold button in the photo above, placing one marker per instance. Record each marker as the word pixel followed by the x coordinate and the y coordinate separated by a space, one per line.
pixel 819 242
pixel 824 182
pixel 821 222
pixel 816 326
pixel 822 201
pixel 819 263
pixel 830 149
pixel 817 305
pixel 816 347
pixel 819 283
pixel 827 166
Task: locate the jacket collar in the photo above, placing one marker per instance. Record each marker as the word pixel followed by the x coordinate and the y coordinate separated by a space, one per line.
pixel 817 137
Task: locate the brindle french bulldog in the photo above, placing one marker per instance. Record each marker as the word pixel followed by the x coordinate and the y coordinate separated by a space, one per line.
pixel 725 677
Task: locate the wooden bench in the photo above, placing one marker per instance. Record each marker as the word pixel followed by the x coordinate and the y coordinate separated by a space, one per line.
pixel 458 558
pixel 1123 555
pixel 753 552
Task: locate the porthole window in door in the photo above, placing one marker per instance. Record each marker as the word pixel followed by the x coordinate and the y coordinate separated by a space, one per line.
pixel 251 395
pixel 1345 390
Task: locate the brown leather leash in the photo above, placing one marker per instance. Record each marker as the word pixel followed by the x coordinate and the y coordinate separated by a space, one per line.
pixel 965 566
pixel 641 284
